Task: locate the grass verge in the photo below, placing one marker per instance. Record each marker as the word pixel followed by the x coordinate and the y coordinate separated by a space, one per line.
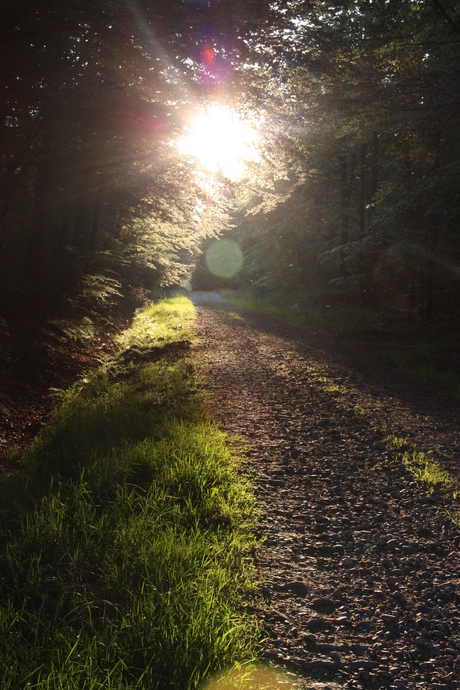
pixel 124 559
pixel 416 365
pixel 346 319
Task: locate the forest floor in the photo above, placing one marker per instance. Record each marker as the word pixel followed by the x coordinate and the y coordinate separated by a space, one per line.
pixel 36 358
pixel 360 562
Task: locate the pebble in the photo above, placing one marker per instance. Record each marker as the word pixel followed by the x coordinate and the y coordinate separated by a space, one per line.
pixel 323 605
pixel 318 623
pixel 347 562
pixel 365 562
pixel 299 587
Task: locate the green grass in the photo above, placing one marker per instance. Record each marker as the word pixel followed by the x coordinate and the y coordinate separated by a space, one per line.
pixel 427 470
pixel 334 388
pixel 125 552
pixel 416 365
pixel 399 442
pixel 345 319
pixel 255 677
pixel 161 323
pixel 311 318
pixel 430 472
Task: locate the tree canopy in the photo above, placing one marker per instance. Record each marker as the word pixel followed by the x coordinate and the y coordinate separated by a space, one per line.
pixel 353 194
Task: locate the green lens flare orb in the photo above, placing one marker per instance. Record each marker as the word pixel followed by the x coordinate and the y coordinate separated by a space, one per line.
pixel 258 677
pixel 224 258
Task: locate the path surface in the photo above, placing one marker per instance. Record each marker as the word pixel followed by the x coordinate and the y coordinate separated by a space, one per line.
pixel 361 565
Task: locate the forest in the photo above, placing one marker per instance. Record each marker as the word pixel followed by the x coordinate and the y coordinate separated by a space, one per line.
pixel 229 328
pixel 352 196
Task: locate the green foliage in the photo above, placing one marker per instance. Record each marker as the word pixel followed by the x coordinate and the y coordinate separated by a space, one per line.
pixel 125 561
pixel 353 198
pixel 369 135
pixel 91 183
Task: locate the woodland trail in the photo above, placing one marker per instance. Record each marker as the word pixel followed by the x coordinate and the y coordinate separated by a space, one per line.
pixel 360 563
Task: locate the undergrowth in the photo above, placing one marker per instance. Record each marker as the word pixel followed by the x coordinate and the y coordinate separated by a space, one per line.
pixel 125 545
pixel 416 365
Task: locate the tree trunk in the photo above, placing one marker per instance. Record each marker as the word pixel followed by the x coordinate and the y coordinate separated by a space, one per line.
pixel 433 233
pixel 35 250
pixel 362 191
pixel 375 164
pixel 345 198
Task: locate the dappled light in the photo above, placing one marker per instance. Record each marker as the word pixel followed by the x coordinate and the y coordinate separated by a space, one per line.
pixel 229 344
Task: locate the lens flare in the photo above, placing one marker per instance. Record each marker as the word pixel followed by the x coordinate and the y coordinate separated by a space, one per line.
pixel 256 678
pixel 224 258
pixel 221 142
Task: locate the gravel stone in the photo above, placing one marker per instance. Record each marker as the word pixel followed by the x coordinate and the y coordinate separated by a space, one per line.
pixel 359 561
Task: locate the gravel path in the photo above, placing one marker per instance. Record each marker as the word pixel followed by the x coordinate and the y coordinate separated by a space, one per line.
pixel 361 564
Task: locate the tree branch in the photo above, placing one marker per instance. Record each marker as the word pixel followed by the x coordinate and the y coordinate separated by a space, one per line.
pixel 443 11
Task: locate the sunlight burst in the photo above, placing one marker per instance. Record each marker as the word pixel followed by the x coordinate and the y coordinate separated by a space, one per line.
pixel 221 142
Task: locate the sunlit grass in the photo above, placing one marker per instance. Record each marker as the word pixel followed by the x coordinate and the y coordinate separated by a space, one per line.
pixel 430 472
pixel 125 546
pixel 255 677
pixel 399 442
pixel 236 317
pixel 331 387
pixel 160 323
pixel 427 470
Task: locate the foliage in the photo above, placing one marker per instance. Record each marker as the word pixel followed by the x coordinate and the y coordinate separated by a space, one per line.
pixel 361 109
pixel 353 198
pixel 94 97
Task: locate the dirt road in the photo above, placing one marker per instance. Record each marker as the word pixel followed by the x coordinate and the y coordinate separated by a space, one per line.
pixel 361 564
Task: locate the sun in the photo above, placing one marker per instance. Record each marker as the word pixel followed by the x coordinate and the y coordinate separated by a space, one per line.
pixel 221 142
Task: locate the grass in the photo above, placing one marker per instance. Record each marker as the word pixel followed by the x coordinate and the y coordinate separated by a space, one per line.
pixel 125 548
pixel 416 365
pixel 311 318
pixel 430 472
pixel 161 323
pixel 236 317
pixel 427 470
pixel 331 387
pixel 345 319
pixel 256 677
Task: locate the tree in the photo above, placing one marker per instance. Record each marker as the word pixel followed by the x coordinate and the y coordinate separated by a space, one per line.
pixel 93 96
pixel 367 94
